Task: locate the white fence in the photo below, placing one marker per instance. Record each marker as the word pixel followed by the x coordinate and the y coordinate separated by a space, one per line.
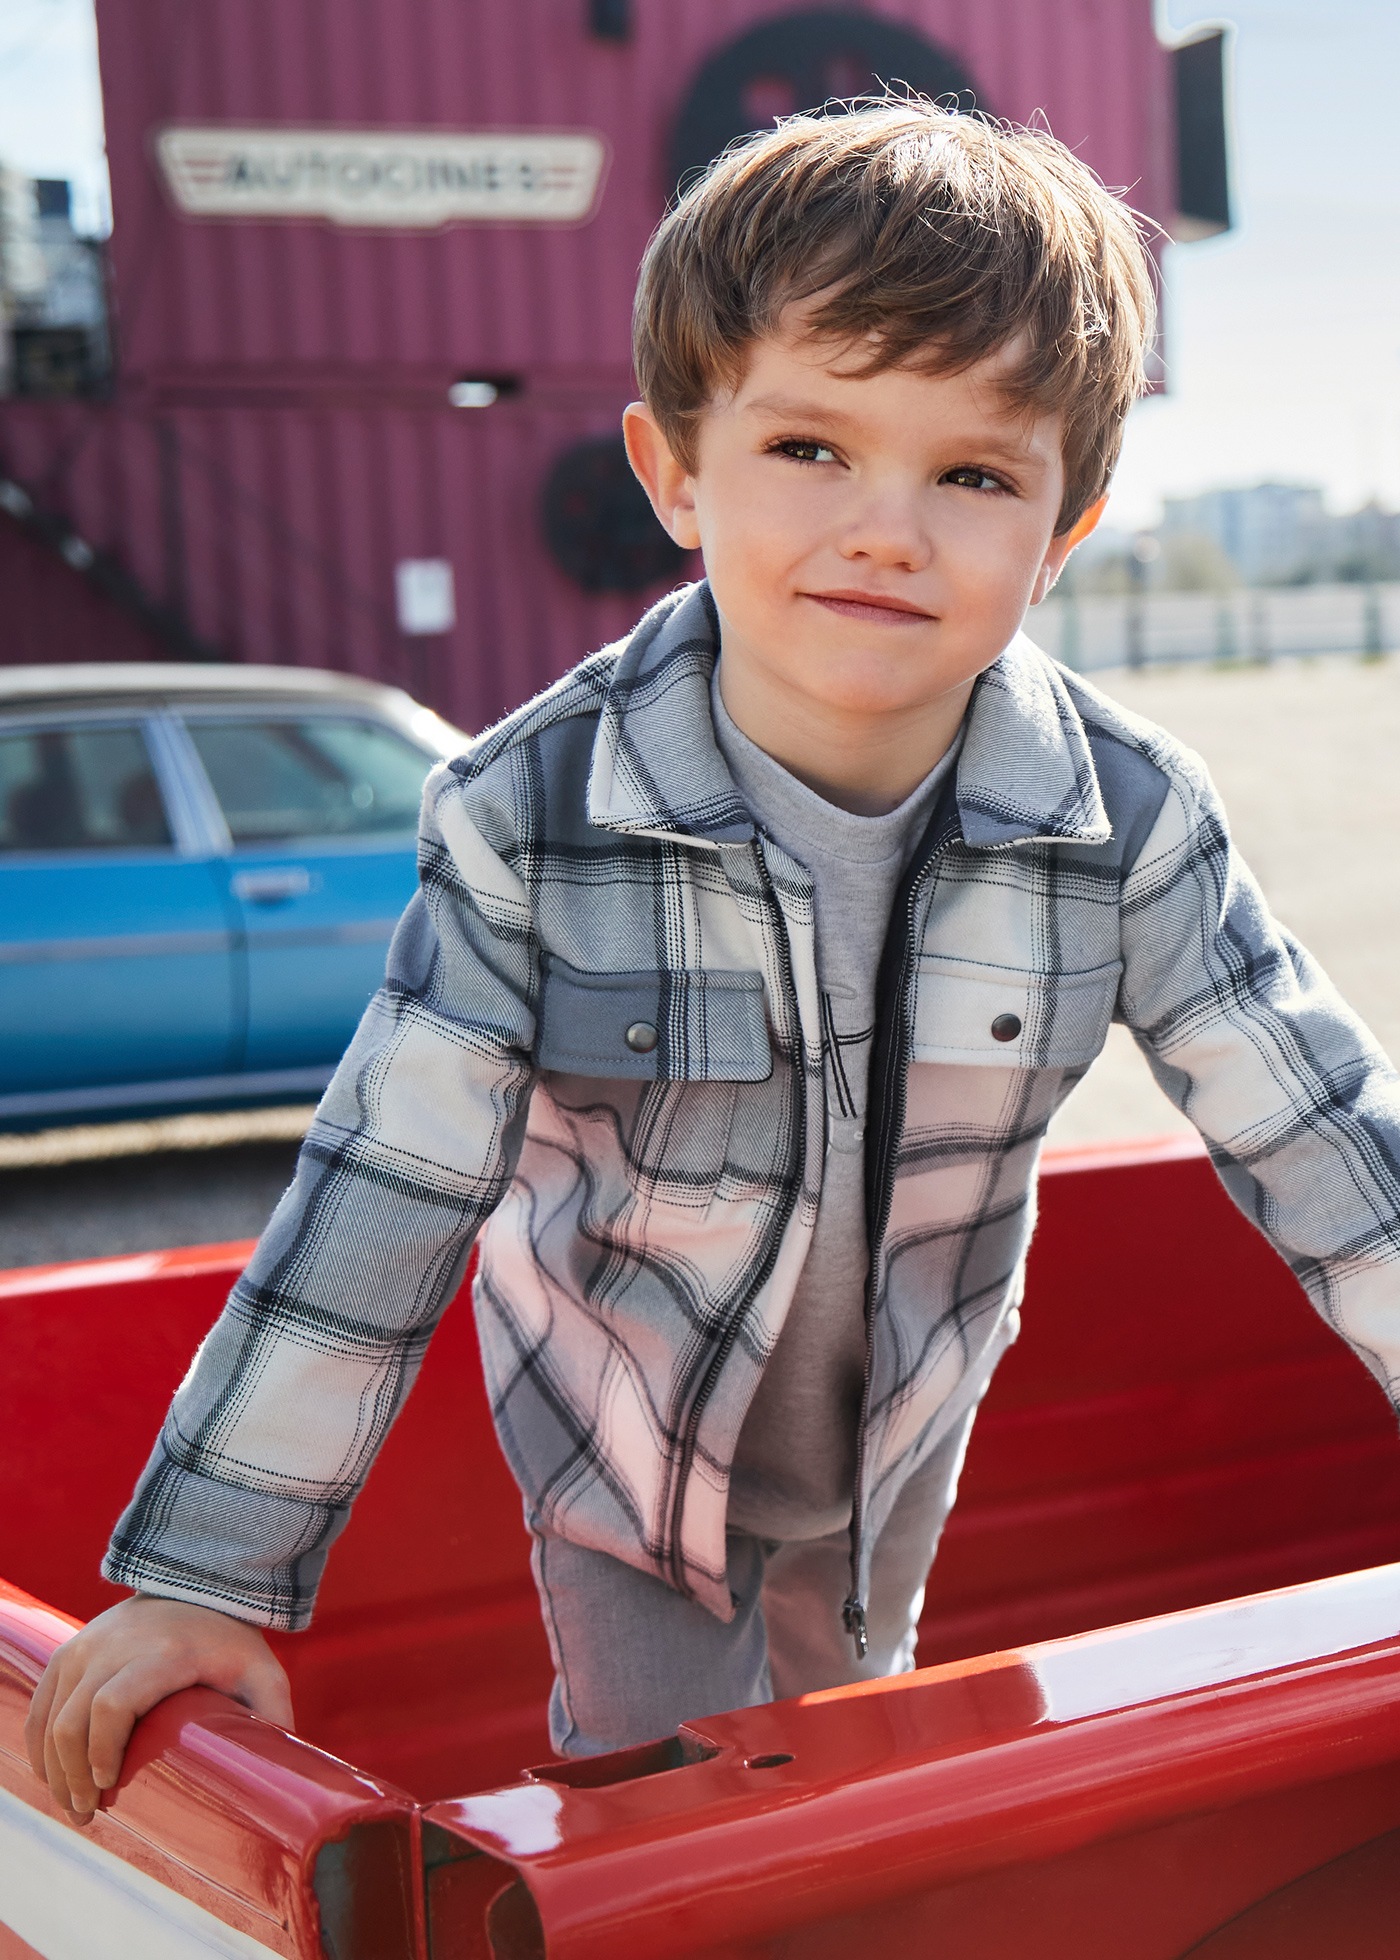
pixel 1143 629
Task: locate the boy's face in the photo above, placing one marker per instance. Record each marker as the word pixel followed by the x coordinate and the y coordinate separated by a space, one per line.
pixel 872 542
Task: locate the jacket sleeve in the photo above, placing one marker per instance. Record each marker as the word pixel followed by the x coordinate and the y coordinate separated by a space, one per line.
pixel 291 1394
pixel 1298 1104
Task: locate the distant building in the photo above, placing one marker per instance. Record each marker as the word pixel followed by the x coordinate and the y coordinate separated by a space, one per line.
pixel 22 268
pixel 1280 534
pixel 1273 533
pixel 1365 544
pixel 53 301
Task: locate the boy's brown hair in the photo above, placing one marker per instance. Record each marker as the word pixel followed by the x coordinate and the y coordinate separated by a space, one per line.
pixel 943 236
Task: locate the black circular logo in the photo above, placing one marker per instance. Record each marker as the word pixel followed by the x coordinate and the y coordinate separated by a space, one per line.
pixel 801 61
pixel 598 525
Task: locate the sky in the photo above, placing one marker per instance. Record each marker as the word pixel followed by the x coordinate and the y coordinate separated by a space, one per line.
pixel 1282 337
pixel 50 101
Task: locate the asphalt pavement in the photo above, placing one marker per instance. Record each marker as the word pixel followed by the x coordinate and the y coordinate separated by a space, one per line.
pixel 89 1193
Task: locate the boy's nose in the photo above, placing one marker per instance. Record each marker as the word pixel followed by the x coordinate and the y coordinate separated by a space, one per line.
pixel 889 530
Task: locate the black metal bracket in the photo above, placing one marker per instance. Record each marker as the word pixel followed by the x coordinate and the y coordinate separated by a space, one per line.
pixel 610 20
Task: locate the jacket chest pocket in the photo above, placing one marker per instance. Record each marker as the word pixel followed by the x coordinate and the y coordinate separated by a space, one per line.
pixel 1005 1017
pixel 660 1057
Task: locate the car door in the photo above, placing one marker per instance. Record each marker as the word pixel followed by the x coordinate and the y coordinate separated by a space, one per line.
pixel 321 809
pixel 116 941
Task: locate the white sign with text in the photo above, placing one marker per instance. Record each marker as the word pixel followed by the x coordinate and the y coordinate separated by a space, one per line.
pixel 415 179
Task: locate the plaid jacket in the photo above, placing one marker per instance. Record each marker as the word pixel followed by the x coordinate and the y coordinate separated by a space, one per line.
pixel 598 1048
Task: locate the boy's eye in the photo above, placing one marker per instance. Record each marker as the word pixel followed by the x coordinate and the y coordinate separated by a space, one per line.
pixel 803 449
pixel 968 477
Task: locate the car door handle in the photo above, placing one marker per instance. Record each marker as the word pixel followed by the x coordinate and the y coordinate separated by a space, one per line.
pixel 272 887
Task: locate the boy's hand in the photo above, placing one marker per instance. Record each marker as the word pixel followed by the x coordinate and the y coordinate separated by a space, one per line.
pixel 101 1682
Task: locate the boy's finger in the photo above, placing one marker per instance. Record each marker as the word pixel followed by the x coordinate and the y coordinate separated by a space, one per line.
pixel 36 1722
pixel 119 1704
pixel 54 1776
pixel 52 1771
pixel 267 1692
pixel 113 1718
pixel 75 1790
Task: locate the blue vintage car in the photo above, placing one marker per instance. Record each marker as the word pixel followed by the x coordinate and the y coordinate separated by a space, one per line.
pixel 200 868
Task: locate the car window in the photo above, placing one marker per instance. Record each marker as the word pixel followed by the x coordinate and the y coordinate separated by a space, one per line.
pixel 310 776
pixel 78 789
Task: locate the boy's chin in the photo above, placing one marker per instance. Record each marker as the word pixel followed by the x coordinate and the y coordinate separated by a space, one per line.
pixel 867 685
pixel 857 701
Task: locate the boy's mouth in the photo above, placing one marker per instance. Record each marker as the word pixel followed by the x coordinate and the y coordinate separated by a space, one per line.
pixel 870 606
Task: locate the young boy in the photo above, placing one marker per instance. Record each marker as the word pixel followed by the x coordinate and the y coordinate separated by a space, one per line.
pixel 749 965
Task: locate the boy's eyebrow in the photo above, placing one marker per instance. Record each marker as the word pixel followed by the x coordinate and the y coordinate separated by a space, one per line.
pixel 795 408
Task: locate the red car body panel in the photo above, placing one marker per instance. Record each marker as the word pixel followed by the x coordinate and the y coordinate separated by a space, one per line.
pixel 1176 1427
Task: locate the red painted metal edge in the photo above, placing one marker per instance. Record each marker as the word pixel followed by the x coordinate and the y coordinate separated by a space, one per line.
pixel 839 1803
pixel 125 1268
pixel 1121 1153
pixel 231 1812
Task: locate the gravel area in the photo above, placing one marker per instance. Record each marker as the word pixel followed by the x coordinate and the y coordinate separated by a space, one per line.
pixel 1304 753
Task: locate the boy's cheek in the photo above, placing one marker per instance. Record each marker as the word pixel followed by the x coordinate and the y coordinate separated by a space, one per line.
pixel 995 581
pixel 748 566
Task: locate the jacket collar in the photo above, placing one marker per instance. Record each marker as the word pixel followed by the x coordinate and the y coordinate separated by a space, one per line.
pixel 1025 771
pixel 657 769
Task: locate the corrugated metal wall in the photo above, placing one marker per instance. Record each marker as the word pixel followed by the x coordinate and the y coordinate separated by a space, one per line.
pixel 49 613
pixel 275 530
pixel 280 435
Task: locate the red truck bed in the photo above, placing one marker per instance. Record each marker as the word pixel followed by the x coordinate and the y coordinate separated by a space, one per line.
pixel 1175 1428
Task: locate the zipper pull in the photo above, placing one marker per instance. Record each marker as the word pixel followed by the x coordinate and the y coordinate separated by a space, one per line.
pixel 853 1618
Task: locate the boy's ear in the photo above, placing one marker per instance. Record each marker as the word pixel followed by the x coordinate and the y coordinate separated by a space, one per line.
pixel 1060 548
pixel 667 483
pixel 1088 522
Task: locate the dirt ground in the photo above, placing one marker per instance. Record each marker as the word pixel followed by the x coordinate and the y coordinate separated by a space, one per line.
pixel 1306 756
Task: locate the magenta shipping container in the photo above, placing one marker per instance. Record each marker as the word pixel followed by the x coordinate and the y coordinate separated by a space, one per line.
pixel 371 272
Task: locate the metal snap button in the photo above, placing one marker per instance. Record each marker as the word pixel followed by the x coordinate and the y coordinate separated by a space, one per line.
pixel 1006 1027
pixel 641 1037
